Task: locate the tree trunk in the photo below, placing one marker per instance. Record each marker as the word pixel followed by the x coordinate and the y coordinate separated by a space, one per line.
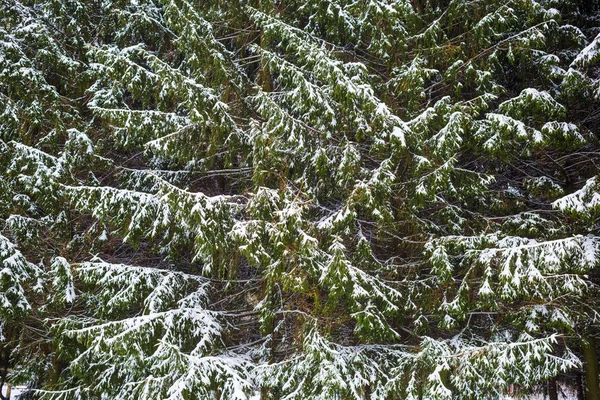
pixel 591 369
pixel 265 76
pixel 552 391
pixel 580 388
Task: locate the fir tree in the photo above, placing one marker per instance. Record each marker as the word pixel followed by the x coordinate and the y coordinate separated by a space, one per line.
pixel 298 200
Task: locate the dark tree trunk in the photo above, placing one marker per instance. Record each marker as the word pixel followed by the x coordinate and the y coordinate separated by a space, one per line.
pixel 580 387
pixel 591 369
pixel 552 389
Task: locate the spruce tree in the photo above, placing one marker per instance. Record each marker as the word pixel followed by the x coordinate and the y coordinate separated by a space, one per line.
pixel 384 199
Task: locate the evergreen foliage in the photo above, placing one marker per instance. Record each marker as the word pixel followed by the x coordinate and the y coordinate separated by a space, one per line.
pixel 384 199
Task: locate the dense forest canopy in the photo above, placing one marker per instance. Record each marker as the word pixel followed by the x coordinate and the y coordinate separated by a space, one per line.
pixel 382 199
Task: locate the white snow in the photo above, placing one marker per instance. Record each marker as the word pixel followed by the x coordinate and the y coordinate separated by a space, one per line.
pixel 582 200
pixel 589 55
